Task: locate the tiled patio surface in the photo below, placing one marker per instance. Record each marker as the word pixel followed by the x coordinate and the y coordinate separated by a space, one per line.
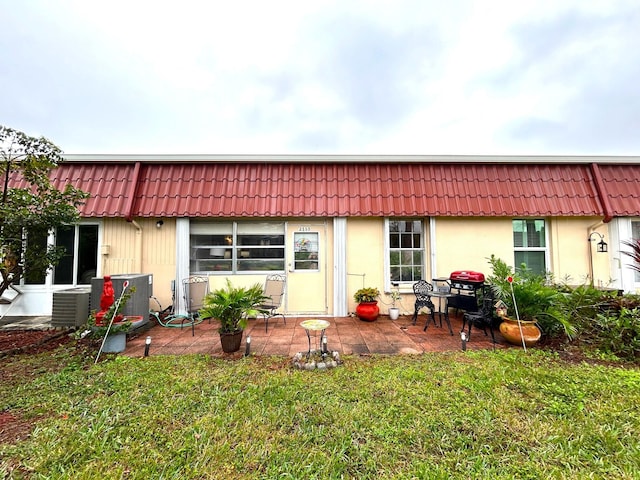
pixel 347 335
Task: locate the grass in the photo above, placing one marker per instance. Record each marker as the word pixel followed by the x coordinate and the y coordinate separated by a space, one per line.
pixel 503 414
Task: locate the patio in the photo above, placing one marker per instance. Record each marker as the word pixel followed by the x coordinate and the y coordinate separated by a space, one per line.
pixel 347 335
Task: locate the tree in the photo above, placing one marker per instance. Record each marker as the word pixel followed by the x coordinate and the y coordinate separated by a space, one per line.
pixel 30 206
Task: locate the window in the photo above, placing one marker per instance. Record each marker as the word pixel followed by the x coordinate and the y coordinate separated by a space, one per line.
pixel 231 247
pixel 305 246
pixel 406 250
pixel 530 244
pixel 79 262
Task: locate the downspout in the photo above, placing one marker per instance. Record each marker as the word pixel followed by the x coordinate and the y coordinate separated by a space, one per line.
pixel 137 263
pixel 602 193
pixel 606 208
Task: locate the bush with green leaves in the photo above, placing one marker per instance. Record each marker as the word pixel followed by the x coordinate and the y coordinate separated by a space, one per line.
pixel 618 333
pixel 536 298
pixel 232 305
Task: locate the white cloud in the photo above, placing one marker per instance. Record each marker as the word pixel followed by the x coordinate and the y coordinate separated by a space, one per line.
pixel 330 76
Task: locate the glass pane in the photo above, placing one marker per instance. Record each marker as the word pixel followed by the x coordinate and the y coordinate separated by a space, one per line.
pixel 406 240
pixel 35 275
pixel 87 253
pixel 63 273
pixel 394 258
pixel 533 260
pixel 529 233
pixel 406 274
pixel 261 228
pixel 260 265
pixel 417 274
pixel 394 226
pixel 305 246
pixel 407 258
pixel 394 240
pixel 261 240
pixel 395 274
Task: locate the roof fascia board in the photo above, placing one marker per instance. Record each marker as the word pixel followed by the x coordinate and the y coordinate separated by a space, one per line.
pixel 219 158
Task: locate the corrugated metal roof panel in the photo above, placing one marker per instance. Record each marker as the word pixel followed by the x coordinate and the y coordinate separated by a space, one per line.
pixel 320 190
pixel 349 189
pixel 622 183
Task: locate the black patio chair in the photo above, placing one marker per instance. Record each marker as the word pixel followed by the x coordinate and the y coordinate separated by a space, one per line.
pixel 483 317
pixel 423 290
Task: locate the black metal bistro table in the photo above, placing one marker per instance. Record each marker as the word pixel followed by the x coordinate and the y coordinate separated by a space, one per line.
pixel 443 308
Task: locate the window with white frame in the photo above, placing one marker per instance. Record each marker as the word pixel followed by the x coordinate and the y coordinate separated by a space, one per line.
pixel 406 250
pixel 530 244
pixel 79 261
pixel 232 247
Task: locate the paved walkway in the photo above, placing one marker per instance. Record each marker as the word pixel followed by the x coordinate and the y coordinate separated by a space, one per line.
pixel 347 335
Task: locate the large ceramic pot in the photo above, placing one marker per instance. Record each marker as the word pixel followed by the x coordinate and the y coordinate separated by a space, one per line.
pixel 367 311
pixel 510 330
pixel 231 341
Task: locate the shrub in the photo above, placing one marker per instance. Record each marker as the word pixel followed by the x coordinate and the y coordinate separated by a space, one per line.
pixel 535 297
pixel 618 332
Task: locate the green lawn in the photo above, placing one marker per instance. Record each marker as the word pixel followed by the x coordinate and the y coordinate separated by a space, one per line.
pixel 503 414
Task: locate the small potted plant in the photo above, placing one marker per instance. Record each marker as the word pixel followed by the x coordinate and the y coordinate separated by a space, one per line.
pixel 108 323
pixel 232 306
pixel 367 299
pixel 394 312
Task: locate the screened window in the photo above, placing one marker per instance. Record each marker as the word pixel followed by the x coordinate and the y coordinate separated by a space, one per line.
pixel 530 244
pixel 230 247
pixel 406 250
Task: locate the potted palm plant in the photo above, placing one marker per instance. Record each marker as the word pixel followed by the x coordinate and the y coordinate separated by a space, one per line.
pixel 367 299
pixel 232 306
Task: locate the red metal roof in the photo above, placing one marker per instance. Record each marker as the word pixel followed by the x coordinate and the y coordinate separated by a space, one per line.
pixel 290 189
pixel 622 185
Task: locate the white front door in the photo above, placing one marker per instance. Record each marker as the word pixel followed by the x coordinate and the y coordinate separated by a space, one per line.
pixel 307 268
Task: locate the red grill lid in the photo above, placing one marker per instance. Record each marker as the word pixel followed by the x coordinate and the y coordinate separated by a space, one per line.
pixel 467 276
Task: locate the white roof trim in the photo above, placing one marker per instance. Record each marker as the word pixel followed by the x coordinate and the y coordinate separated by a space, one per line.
pixel 292 158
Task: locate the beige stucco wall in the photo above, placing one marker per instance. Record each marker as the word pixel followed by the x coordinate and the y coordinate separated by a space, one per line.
pixel 466 243
pixel 460 243
pixel 365 256
pixel 570 251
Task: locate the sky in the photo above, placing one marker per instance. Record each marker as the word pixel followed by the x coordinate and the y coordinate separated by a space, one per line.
pixel 424 77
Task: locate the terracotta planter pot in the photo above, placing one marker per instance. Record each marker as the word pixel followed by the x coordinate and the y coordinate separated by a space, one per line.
pixel 367 311
pixel 231 341
pixel 511 331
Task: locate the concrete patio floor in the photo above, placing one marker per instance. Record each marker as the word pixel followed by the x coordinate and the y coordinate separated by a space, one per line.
pixel 347 335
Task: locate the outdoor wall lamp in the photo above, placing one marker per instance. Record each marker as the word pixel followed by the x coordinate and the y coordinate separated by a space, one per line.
pixel 159 223
pixel 601 246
